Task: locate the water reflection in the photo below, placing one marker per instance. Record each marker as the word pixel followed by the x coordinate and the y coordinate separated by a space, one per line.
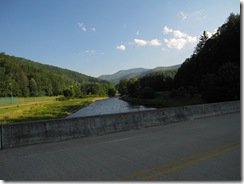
pixel 108 106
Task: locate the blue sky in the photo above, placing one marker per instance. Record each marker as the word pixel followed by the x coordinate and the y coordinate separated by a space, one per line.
pixel 96 37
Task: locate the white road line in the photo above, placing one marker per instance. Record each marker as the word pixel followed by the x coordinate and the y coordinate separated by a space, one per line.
pixel 119 140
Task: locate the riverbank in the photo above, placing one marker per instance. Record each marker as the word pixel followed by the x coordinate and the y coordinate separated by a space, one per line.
pixel 52 109
pixel 163 100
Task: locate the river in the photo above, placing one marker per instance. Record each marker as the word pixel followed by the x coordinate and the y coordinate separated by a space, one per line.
pixel 108 106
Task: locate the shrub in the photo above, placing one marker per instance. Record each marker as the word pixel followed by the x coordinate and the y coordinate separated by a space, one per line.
pixel 111 92
pixel 180 92
pixel 62 98
pixel 148 93
pixel 68 93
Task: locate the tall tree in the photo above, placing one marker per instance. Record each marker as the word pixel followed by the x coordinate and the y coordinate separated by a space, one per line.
pixel 203 39
pixel 122 87
pixel 133 86
pixel 33 87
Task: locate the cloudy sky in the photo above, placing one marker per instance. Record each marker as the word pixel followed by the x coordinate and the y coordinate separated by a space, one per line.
pixel 98 37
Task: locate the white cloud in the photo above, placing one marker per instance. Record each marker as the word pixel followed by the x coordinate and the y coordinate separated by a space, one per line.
pixel 167 30
pixel 84 29
pixel 180 39
pixel 140 42
pixel 121 47
pixel 154 42
pixel 93 29
pixel 137 33
pixel 82 26
pixel 175 43
pixel 179 34
pixel 90 51
pixel 183 15
pixel 211 34
pixel 195 15
pixel 200 15
pixel 192 40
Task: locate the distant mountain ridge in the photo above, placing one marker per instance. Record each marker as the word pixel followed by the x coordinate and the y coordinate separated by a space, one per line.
pixel 123 74
pixel 135 73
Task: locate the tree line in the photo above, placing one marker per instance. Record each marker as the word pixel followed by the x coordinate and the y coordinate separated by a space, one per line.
pixel 89 89
pixel 21 77
pixel 148 85
pixel 213 70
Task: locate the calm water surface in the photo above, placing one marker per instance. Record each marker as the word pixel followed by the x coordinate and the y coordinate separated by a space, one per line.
pixel 108 106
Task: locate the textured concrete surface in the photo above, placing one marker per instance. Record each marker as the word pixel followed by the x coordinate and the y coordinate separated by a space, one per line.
pixel 20 134
pixel 0 137
pixel 206 149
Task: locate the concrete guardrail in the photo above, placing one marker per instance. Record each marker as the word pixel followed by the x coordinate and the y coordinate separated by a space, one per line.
pixel 19 134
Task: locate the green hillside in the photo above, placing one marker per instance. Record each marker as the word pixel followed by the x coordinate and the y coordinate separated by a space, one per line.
pixel 214 67
pixel 123 74
pixel 23 78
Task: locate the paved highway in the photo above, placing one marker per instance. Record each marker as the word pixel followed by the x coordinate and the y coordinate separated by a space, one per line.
pixel 206 149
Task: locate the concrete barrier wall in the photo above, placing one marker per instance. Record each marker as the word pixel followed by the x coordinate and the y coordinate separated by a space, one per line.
pixel 0 137
pixel 61 129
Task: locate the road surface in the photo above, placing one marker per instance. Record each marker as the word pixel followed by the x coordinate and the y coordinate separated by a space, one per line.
pixel 206 149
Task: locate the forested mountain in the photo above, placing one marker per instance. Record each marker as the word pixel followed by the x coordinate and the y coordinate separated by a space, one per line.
pixel 23 77
pixel 214 67
pixel 116 77
pixel 135 73
pixel 160 69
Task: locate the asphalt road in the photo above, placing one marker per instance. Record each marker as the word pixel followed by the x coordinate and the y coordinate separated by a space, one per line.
pixel 206 149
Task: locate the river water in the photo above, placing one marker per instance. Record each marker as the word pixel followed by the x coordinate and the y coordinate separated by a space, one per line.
pixel 108 106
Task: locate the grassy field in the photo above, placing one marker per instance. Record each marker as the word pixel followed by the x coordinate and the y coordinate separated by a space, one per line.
pixel 29 100
pixel 29 110
pixel 163 100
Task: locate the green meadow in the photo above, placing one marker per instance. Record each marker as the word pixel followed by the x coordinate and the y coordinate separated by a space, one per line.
pixel 30 109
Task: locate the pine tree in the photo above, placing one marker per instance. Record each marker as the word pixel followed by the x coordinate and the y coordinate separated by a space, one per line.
pixel 201 43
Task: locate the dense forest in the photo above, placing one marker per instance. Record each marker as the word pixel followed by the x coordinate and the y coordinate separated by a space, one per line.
pixel 146 86
pixel 21 77
pixel 214 67
pixel 213 71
